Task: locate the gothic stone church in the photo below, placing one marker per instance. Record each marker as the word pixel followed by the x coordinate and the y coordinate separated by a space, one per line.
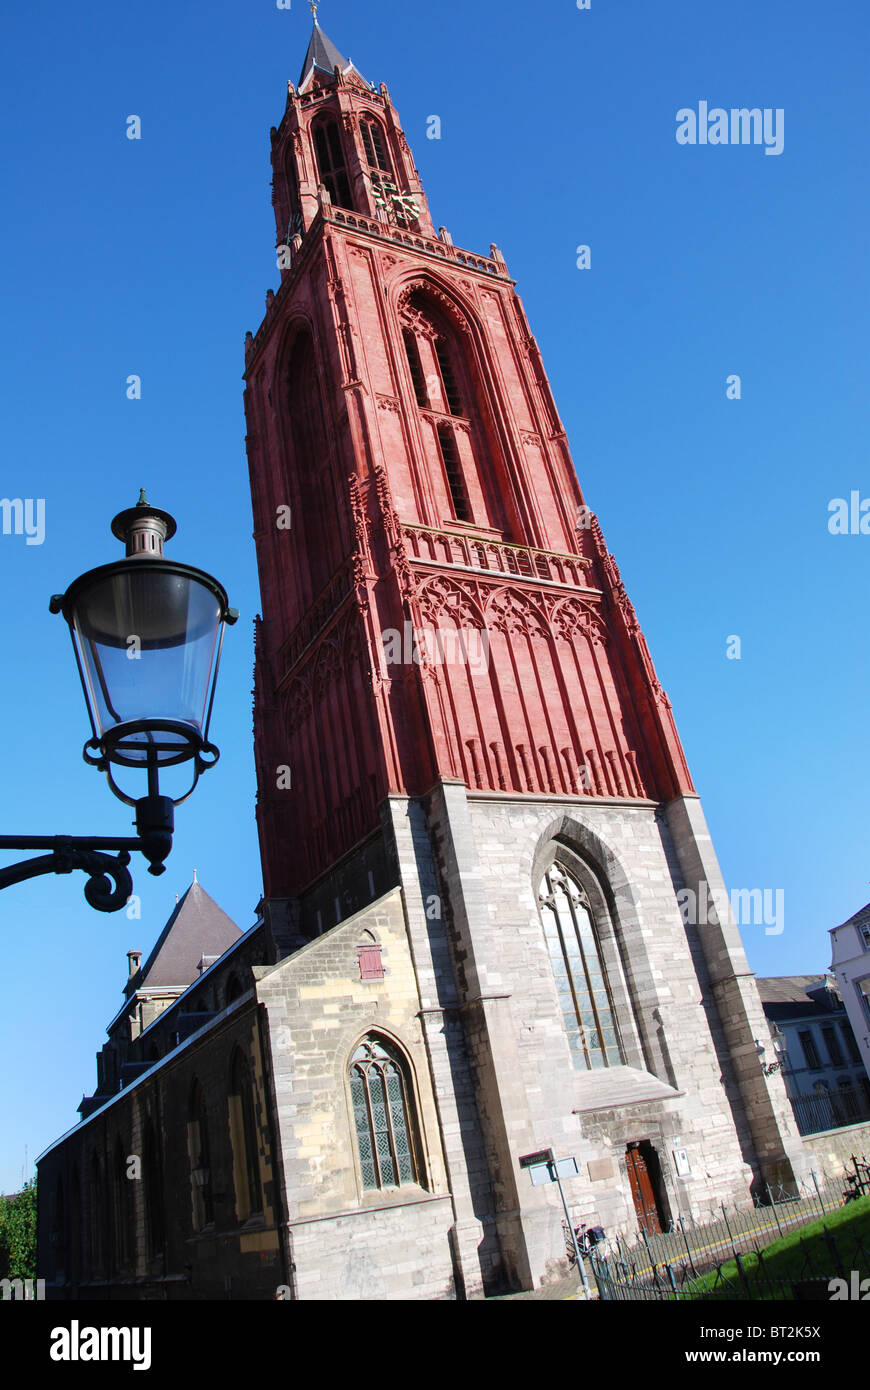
pixel 475 818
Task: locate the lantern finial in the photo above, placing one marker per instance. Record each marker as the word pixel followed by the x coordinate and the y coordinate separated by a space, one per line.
pixel 144 528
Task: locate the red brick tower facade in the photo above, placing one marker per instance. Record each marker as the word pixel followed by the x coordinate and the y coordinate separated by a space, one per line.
pixel 411 476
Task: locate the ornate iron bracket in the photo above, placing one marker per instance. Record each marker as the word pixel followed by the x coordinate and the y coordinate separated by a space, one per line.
pixel 109 884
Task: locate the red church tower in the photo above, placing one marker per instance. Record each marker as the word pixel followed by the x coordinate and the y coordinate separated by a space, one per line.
pixel 451 682
pixel 411 476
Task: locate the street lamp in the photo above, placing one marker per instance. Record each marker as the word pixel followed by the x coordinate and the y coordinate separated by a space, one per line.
pixel 147 635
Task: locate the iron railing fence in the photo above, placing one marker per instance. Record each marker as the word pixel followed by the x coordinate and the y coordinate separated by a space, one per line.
pixel 831 1109
pixel 749 1276
pixel 667 1265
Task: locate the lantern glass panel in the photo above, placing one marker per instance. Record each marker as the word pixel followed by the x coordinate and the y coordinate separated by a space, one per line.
pixel 147 639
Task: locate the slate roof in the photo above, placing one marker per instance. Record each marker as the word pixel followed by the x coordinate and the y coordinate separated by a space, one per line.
pixel 788 996
pixel 197 928
pixel 322 53
pixel 787 989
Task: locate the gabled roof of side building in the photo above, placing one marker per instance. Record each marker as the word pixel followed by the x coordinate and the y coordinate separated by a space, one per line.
pixel 197 928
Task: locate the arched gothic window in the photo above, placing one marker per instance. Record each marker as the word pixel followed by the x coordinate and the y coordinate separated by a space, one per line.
pixel 383 1116
pixel 447 387
pixel 581 979
pixel 375 145
pixel 200 1160
pixel 294 225
pixel 249 1194
pixel 401 207
pixel 331 165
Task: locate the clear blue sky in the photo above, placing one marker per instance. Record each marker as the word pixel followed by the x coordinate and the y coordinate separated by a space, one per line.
pixel 153 257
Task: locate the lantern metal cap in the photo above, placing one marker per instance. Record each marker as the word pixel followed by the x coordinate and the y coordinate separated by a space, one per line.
pixel 144 528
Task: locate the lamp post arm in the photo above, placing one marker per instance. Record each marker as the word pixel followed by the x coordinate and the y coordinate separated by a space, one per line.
pixel 109 884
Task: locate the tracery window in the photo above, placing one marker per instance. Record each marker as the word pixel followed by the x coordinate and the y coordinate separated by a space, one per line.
pixel 331 165
pixel 383 1116
pixel 581 978
pixel 401 207
pixel 295 224
pixel 373 140
pixel 458 429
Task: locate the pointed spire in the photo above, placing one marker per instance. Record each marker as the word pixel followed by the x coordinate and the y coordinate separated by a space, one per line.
pixel 322 54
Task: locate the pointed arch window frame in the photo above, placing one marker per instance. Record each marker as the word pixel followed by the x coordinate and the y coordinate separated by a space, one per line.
pixel 247 1176
pixel 199 1153
pixel 465 416
pixel 331 159
pixel 375 1161
pixel 375 146
pixel 572 959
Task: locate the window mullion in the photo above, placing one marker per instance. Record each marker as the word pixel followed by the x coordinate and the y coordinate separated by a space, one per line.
pixel 572 984
pixel 592 1003
pixel 372 1131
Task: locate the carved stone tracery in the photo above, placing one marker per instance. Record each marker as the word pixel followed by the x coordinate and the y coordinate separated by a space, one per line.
pixel 572 618
pixel 512 611
pixel 426 289
pixel 441 597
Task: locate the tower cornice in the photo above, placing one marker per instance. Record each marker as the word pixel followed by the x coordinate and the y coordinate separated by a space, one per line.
pixel 435 249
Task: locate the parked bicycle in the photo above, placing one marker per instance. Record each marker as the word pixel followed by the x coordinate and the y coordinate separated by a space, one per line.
pixel 588 1238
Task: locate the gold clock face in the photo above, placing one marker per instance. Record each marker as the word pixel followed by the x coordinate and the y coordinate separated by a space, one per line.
pixel 403 206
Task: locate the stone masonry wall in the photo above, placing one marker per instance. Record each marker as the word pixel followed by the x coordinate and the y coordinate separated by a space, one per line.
pixel 666 1031
pixel 344 1239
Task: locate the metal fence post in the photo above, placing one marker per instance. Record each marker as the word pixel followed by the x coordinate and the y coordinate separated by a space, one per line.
pixel 689 1253
pixel 742 1275
pixel 728 1228
pixel 773 1204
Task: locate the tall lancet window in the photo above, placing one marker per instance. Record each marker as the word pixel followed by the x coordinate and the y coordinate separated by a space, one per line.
pixel 581 980
pixel 400 206
pixel 443 375
pixel 294 205
pixel 375 147
pixel 331 165
pixel 382 1116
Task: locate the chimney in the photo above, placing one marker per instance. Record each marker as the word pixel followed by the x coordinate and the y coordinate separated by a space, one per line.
pixel 134 960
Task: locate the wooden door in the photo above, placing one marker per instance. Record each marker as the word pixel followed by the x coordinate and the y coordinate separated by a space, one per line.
pixel 642 1192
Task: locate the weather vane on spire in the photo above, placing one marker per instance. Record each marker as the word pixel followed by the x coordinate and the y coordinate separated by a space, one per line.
pixel 313 8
